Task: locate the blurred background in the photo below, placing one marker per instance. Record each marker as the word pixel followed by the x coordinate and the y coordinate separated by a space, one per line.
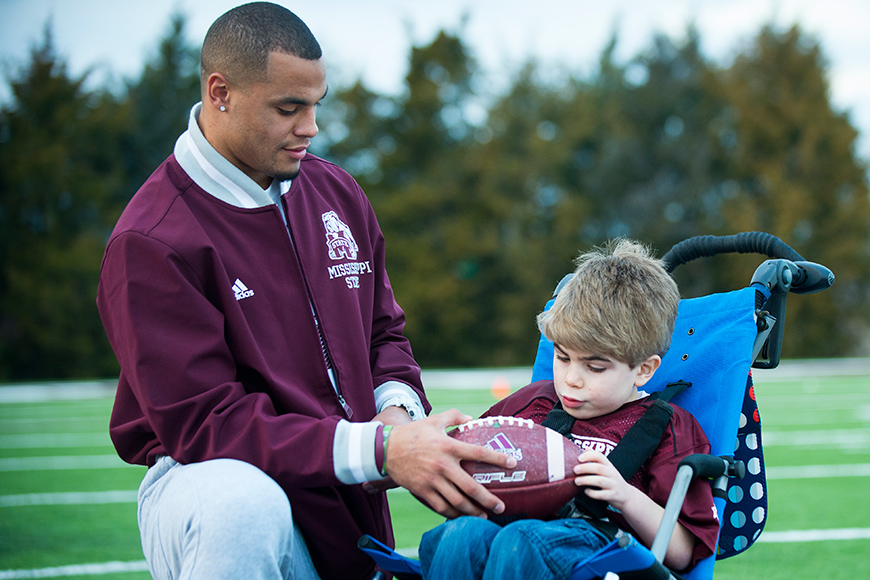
pixel 496 140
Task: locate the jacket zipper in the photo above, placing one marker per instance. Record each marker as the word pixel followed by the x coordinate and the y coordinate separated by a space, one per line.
pixel 347 410
pixel 330 368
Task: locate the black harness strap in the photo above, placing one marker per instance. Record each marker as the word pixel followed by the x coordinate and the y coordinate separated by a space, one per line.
pixel 641 440
pixel 635 447
pixel 638 444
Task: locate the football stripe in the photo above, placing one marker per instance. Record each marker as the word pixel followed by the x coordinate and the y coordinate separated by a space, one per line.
pixel 555 456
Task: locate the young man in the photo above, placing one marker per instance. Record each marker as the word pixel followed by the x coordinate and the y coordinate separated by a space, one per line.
pixel 610 327
pixel 243 291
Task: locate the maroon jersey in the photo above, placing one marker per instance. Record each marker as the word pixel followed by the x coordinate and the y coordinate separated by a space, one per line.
pixel 655 478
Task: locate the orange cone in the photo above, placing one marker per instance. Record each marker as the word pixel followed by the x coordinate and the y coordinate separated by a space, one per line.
pixel 501 388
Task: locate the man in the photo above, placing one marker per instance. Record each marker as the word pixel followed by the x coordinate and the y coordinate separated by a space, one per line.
pixel 243 291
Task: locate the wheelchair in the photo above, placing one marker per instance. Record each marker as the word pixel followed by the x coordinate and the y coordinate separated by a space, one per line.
pixel 718 339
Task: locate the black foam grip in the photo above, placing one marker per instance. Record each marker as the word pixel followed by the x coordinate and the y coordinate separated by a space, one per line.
pixel 742 243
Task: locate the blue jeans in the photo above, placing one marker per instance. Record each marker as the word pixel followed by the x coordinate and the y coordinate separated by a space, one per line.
pixel 470 548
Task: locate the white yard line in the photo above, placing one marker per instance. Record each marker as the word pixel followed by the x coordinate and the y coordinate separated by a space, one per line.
pixel 57 391
pixel 858 438
pixel 69 498
pixel 792 536
pixel 97 569
pixel 49 440
pixel 62 462
pixel 125 496
pixel 819 471
pixel 799 369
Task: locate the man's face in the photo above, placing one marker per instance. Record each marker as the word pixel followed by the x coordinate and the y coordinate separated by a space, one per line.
pixel 271 123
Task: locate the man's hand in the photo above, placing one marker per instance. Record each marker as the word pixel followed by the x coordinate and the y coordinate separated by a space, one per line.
pixel 422 458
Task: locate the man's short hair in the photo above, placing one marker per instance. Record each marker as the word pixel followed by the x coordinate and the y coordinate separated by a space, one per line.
pixel 620 303
pixel 239 42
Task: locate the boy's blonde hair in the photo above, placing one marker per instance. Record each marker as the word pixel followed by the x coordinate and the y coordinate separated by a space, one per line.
pixel 620 303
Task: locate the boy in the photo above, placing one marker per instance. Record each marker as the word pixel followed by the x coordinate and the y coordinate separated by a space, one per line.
pixel 610 326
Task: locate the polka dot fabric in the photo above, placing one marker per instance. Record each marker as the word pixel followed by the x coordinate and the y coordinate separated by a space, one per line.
pixel 746 510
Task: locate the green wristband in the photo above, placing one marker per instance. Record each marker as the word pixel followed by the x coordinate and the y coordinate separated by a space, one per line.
pixel 387 429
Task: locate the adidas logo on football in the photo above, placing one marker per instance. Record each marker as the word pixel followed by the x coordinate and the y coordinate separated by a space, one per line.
pixel 501 443
pixel 241 290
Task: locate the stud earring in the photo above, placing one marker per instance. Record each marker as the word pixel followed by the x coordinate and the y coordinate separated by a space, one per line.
pixel 223 109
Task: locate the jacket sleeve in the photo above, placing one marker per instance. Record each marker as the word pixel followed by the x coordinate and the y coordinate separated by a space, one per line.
pixel 180 389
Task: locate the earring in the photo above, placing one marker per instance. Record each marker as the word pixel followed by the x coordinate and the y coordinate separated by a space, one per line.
pixel 223 109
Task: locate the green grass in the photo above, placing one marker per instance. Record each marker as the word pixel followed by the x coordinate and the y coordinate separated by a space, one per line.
pixel 47 536
pixel 836 560
pixel 60 535
pixel 807 421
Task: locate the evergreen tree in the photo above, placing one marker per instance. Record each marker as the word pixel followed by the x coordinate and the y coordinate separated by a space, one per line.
pixel 58 168
pixel 482 220
pixel 524 178
pixel 357 131
pixel 158 103
pixel 429 212
pixel 794 173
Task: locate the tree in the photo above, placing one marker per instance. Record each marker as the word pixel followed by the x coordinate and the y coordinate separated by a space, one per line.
pixel 794 173
pixel 58 168
pixel 157 105
pixel 522 174
pixel 430 215
pixel 483 219
pixel 408 154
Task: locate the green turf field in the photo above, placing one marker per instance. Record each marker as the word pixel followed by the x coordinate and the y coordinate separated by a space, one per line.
pixel 67 503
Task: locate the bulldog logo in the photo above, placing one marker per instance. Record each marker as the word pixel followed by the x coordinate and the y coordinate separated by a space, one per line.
pixel 339 240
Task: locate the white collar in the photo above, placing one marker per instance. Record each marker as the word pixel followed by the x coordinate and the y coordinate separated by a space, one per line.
pixel 216 175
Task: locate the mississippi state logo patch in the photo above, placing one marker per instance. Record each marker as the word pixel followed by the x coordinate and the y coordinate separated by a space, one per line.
pixel 339 239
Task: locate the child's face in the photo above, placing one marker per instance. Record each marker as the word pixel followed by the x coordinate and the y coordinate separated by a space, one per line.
pixel 591 385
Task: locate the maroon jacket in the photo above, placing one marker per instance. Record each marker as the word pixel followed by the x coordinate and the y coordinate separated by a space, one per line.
pixel 208 308
pixel 655 478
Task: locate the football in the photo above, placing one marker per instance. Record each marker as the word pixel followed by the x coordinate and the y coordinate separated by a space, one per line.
pixel 543 480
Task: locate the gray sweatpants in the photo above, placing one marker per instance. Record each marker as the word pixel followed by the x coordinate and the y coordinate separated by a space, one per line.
pixel 218 519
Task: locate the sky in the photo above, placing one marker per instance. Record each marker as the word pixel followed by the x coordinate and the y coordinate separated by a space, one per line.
pixel 371 39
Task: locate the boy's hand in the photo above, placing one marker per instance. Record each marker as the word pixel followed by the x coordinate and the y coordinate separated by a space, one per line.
pixel 604 482
pixel 422 458
pixel 601 479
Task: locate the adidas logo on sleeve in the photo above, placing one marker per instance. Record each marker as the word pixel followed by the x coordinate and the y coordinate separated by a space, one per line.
pixel 241 290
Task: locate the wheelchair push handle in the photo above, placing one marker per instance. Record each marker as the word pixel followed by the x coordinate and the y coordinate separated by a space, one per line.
pixel 786 271
pixel 742 243
pixel 779 277
pixel 811 278
pixel 783 276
